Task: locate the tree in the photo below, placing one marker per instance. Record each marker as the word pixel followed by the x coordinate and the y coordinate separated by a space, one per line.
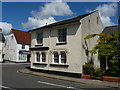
pixel 107 47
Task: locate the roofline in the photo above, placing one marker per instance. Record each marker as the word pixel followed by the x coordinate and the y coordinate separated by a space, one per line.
pixel 48 26
pixel 92 13
pixel 112 26
pixel 18 30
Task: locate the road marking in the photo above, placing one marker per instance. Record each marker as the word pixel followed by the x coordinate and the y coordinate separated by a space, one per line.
pixel 52 84
pixel 6 87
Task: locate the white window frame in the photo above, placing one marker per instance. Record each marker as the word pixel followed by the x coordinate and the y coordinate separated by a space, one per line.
pixel 62 35
pixel 59 57
pixel 36 57
pixel 22 57
pixel 40 57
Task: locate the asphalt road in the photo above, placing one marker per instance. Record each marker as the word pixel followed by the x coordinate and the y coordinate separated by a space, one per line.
pixel 11 79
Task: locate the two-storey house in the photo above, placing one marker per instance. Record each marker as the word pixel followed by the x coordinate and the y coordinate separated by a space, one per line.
pixel 61 46
pixel 16 47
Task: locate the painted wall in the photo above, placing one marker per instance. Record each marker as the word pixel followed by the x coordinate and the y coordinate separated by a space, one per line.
pixel 90 26
pixel 11 49
pixel 76 56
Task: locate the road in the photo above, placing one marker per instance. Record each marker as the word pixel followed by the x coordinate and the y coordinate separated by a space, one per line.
pixel 11 79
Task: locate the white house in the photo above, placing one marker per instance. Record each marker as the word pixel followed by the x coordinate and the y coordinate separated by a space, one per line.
pixel 61 46
pixel 1 45
pixel 16 47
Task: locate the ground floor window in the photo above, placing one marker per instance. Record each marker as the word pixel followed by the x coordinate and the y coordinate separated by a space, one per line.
pixel 22 56
pixel 56 57
pixel 38 57
pixel 41 57
pixel 60 57
pixel 63 57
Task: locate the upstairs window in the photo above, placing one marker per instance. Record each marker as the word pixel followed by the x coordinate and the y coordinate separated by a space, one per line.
pixel 39 38
pixel 62 35
pixel 11 37
pixel 23 46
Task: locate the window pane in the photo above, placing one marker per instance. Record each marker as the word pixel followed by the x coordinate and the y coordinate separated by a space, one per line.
pixel 23 46
pixel 56 58
pixel 38 57
pixel 39 38
pixel 62 35
pixel 43 57
pixel 63 57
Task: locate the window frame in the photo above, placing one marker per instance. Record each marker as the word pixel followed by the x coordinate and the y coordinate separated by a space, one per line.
pixel 36 58
pixel 40 57
pixel 23 46
pixel 39 38
pixel 59 58
pixel 62 35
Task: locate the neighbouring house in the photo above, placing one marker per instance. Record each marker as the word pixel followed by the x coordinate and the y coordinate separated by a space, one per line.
pixel 111 29
pixel 16 47
pixel 61 46
pixel 1 45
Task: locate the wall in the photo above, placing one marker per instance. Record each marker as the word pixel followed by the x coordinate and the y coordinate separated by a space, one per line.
pixel 89 26
pixel 10 48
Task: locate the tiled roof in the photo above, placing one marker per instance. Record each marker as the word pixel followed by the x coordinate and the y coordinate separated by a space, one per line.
pixel 110 29
pixel 22 37
pixel 67 21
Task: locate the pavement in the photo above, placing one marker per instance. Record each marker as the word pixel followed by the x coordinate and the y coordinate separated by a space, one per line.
pixel 72 79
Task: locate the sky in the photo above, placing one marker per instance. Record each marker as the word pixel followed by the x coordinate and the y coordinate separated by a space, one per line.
pixel 29 15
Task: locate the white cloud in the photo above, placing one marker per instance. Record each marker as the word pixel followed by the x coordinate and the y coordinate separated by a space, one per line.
pixel 46 13
pixel 6 27
pixel 107 11
pixel 34 22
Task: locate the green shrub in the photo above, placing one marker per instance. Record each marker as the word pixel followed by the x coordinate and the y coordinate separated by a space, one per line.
pixel 98 73
pixel 88 69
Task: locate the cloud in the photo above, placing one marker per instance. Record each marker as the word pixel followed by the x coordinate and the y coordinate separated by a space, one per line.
pixel 34 22
pixel 6 27
pixel 45 14
pixel 107 11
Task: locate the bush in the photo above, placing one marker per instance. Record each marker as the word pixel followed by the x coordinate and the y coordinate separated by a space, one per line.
pixel 98 73
pixel 88 69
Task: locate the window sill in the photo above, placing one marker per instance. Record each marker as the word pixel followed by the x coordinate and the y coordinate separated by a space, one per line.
pixel 39 45
pixel 39 63
pixel 62 65
pixel 61 43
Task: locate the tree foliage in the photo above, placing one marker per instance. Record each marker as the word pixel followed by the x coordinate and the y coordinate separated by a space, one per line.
pixel 108 47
